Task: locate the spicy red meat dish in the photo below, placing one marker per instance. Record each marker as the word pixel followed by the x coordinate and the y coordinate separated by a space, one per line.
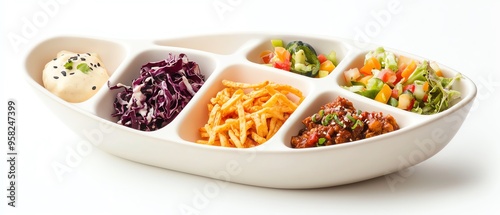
pixel 339 122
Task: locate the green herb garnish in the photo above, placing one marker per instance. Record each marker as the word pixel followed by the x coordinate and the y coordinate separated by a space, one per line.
pixel 83 67
pixel 321 141
pixel 337 120
pixel 69 65
pixel 358 122
pixel 327 119
pixel 351 118
pixel 317 116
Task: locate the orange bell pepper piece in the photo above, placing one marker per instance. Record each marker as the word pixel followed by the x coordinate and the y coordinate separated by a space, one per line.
pixel 370 64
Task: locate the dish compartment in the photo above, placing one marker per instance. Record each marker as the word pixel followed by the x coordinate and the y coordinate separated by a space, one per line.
pixel 197 114
pixel 104 105
pixel 322 45
pixel 403 119
pixel 111 53
pixel 357 61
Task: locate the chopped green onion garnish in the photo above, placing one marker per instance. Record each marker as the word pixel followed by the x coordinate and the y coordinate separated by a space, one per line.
pixel 350 117
pixel 317 116
pixel 358 122
pixel 327 119
pixel 321 141
pixel 336 118
pixel 83 67
pixel 69 65
pixel 314 118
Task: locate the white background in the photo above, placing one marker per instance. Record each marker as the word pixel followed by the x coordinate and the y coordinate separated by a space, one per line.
pixel 462 178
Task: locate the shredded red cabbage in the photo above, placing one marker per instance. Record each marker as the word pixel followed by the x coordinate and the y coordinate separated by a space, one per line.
pixel 160 93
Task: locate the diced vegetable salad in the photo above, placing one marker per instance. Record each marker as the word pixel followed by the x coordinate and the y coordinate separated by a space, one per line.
pixel 299 57
pixel 402 82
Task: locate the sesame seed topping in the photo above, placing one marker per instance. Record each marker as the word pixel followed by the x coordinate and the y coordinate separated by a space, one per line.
pixel 93 87
pixel 89 54
pixel 55 67
pixel 83 59
pixel 54 59
pixel 71 73
pixel 63 73
pixel 56 77
pixel 98 64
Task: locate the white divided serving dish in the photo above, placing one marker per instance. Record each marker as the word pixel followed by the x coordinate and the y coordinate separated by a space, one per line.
pixel 236 57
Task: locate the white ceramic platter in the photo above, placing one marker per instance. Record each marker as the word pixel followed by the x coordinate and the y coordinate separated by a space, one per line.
pixel 236 57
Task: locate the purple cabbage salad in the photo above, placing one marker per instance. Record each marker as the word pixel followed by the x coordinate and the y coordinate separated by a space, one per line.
pixel 155 98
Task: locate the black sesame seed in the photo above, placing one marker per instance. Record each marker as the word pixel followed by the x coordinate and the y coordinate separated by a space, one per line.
pixel 78 55
pixel 89 54
pixel 56 77
pixel 71 73
pixel 98 64
pixel 55 67
pixel 63 73
pixel 82 59
pixel 74 58
pixel 93 87
pixel 91 64
pixel 54 59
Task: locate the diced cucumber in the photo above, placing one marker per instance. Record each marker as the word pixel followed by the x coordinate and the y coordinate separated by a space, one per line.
pixel 277 43
pixel 393 102
pixel 332 56
pixel 322 73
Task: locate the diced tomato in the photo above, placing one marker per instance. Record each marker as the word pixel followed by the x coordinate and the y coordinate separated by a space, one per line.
pixel 398 76
pixel 282 54
pixel 282 65
pixel 395 93
pixel 322 58
pixel 406 101
pixel 266 56
pixel 351 75
pixel 410 87
pixel 412 102
pixel 387 76
pixel 403 64
pixel 312 139
pixel 426 96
